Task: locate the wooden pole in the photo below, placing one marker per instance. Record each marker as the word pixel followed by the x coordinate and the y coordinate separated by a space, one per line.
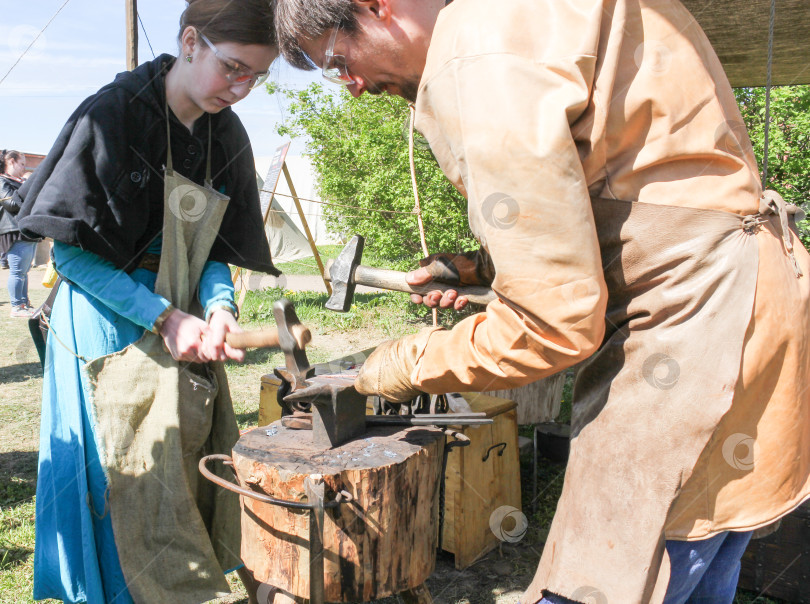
pixel 306 228
pixel 132 34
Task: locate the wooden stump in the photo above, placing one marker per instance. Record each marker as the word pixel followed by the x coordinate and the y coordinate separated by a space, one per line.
pixel 380 544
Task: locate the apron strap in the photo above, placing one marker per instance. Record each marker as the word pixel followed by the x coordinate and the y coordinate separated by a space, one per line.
pixel 773 203
pixel 168 136
pixel 208 182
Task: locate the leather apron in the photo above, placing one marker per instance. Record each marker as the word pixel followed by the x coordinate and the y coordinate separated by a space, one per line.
pixel 681 285
pixel 156 417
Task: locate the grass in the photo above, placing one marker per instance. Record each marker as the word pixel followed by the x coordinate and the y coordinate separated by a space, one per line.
pixel 372 318
pixel 308 266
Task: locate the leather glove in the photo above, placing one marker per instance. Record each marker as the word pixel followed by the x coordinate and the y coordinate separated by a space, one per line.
pixel 469 268
pixel 387 372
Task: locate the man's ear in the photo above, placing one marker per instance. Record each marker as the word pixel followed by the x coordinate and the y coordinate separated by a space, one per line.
pixel 375 9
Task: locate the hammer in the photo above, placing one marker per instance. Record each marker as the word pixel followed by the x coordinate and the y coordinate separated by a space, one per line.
pixel 345 272
pixel 290 335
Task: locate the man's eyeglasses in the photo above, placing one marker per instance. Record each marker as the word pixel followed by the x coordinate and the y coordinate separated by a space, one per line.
pixel 334 66
pixel 233 71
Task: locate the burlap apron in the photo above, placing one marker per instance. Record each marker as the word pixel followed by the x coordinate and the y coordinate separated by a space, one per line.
pixel 156 417
pixel 681 285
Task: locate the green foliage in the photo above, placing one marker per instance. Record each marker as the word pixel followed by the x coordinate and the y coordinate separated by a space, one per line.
pixel 360 154
pixel 359 149
pixel 789 146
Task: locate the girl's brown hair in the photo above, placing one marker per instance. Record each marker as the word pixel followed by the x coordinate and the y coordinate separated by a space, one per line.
pixel 238 21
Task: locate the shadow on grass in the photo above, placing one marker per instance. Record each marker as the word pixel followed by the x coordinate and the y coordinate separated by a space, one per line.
pixel 19 472
pixel 14 557
pixel 20 373
pixel 248 419
pixel 257 356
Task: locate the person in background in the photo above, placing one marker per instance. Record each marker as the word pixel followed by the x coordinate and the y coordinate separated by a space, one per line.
pixel 106 528
pixel 18 250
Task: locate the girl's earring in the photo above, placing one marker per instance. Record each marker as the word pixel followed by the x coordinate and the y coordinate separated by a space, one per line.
pixel 188 58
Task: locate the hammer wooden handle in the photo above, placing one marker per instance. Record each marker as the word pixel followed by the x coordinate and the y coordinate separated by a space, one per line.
pixel 395 281
pixel 267 338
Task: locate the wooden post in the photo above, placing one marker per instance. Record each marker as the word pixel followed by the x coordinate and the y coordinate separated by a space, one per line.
pixel 306 228
pixel 132 34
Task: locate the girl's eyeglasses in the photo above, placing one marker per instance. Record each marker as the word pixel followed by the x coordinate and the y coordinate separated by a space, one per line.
pixel 232 70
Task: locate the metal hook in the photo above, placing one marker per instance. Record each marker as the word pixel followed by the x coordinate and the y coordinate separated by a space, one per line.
pixel 501 446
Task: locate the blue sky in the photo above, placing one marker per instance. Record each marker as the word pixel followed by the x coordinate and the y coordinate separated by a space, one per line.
pixel 82 50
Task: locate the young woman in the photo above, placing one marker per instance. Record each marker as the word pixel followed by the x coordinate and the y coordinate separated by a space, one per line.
pixel 17 249
pixel 149 193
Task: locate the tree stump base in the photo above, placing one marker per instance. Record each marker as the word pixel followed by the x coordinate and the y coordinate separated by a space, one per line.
pixel 381 543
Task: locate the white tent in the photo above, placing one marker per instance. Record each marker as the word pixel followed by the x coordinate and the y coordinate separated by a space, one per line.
pixel 287 242
pixel 284 229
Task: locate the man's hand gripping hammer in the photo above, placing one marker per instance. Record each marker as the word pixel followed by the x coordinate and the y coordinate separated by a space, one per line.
pixel 345 272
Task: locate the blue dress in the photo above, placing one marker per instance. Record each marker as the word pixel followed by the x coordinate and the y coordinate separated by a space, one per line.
pixel 101 311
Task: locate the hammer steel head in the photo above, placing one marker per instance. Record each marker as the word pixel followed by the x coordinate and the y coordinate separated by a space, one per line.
pixel 294 356
pixel 341 273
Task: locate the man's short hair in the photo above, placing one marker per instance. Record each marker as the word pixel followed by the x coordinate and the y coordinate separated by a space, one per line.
pixel 309 20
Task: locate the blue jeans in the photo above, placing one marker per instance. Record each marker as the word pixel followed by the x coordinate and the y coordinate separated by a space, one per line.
pixel 703 572
pixel 20 257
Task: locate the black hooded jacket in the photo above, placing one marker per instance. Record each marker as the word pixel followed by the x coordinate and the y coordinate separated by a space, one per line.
pixel 8 223
pixel 101 186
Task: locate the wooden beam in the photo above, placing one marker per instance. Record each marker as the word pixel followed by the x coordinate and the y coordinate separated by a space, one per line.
pixel 132 34
pixel 306 228
pixel 738 30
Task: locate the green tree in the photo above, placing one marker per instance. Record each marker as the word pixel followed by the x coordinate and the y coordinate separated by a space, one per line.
pixel 789 146
pixel 360 154
pixel 359 149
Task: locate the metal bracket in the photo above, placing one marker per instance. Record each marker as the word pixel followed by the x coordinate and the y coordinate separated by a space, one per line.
pixel 501 446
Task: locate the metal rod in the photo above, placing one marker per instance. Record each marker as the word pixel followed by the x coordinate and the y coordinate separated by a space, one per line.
pixel 415 420
pixel 315 494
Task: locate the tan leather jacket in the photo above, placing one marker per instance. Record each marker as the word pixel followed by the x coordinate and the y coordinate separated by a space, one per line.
pixel 538 111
